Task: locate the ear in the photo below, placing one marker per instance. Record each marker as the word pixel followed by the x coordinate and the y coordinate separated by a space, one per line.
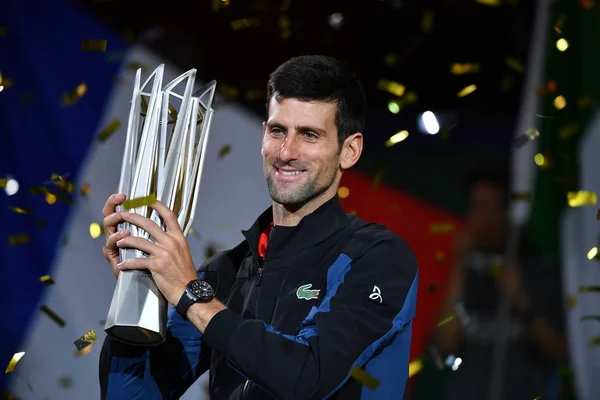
pixel 351 150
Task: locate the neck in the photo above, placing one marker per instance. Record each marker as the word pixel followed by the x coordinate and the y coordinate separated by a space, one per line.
pixel 285 215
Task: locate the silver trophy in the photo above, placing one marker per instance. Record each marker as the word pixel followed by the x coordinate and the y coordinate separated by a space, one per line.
pixel 167 134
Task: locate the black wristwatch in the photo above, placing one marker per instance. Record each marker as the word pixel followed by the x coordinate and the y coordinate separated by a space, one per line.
pixel 197 291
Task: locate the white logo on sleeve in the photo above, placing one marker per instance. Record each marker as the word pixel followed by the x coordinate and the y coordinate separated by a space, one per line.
pixel 376 295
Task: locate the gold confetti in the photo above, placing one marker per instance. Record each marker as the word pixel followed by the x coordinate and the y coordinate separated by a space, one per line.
pixel 491 3
pixel 581 198
pixel 442 227
pixel 53 316
pixel 396 138
pixel 70 98
pixel 529 135
pixel 209 251
pixel 95 230
pixel 3 182
pixel 285 26
pixel 60 181
pixel 514 64
pixel 343 192
pixel 571 301
pixel 47 279
pixel 134 66
pixel 539 397
pixel 593 253
pixel 139 202
pixel 38 190
pixel 352 212
pixel 20 210
pixel 84 351
pixel 255 94
pixel 559 102
pixel 464 68
pixel 228 90
pixel 17 240
pixel 93 45
pixel 364 378
pixel 595 341
pixel 85 189
pixel 145 332
pixel 107 132
pixel 50 198
pixel 391 87
pixel 467 90
pixel 223 151
pixel 590 318
pixel 391 59
pixel 13 362
pixel 427 22
pixel 445 321
pixel 587 289
pixel 245 23
pixel 414 367
pixel 87 339
pixel 378 178
pixel 567 131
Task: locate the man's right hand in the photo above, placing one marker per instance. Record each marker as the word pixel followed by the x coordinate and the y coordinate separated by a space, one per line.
pixel 112 218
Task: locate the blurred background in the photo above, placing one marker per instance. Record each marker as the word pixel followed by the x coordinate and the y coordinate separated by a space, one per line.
pixel 480 151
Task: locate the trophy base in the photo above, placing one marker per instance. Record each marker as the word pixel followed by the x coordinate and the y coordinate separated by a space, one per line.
pixel 134 336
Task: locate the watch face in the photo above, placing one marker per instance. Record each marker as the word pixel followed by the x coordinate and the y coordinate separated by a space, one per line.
pixel 202 290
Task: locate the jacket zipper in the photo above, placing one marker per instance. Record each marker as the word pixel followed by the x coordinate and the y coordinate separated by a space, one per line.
pixel 259 275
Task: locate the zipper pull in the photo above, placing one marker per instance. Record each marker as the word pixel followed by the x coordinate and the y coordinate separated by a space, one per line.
pixel 259 274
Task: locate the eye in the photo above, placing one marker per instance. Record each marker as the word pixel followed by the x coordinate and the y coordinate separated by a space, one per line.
pixel 276 132
pixel 310 135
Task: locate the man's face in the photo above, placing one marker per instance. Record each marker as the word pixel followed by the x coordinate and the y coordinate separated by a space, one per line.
pixel 300 151
pixel 487 216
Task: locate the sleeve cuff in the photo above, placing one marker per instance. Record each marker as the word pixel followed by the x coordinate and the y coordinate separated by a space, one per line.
pixel 220 329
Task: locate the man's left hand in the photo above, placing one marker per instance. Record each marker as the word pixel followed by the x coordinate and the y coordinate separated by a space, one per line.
pixel 170 260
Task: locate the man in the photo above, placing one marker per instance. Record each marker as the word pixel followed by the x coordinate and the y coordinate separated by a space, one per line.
pixel 309 294
pixel 478 284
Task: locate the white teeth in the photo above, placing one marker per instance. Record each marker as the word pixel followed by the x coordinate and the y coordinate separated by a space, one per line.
pixel 289 173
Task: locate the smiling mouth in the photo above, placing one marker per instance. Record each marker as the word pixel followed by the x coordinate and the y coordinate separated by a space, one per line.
pixel 288 173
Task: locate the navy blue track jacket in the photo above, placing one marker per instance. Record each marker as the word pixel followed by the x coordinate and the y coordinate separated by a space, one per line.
pixel 332 293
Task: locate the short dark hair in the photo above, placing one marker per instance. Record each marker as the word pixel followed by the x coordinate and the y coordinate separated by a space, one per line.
pixel 322 78
pixel 491 172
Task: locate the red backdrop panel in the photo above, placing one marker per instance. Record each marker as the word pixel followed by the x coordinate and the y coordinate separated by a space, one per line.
pixel 412 219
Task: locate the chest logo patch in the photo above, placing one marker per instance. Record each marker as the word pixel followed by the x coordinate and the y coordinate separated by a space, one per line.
pixel 305 292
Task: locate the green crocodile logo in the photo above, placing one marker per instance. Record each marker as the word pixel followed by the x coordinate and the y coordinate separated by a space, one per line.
pixel 305 292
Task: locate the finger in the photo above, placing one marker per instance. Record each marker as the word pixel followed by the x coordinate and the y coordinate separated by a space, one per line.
pixel 138 243
pixel 168 216
pixel 146 224
pixel 111 203
pixel 111 223
pixel 135 263
pixel 111 242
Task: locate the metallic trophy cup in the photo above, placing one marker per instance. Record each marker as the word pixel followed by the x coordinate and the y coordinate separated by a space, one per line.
pixel 164 156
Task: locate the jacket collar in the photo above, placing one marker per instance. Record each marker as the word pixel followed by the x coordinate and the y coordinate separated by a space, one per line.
pixel 312 229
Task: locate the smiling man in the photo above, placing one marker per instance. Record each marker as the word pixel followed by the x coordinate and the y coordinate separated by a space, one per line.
pixel 308 298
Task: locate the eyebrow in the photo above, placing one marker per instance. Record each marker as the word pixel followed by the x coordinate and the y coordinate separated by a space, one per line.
pixel 299 128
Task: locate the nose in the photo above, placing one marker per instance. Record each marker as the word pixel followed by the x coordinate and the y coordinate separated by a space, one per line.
pixel 290 148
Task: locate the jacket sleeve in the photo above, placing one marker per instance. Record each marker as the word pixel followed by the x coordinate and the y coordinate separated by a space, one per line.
pixel 162 372
pixel 368 302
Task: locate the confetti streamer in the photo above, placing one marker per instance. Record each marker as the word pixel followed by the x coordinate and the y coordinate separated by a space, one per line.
pixel 445 321
pixel 53 316
pixel 591 318
pixel 592 253
pixel 85 189
pixel 139 202
pixel 595 341
pixel 223 151
pixel 20 239
pixel 396 138
pixel 47 279
pixel 87 339
pixel 20 210
pixel 72 97
pixel 442 228
pixel 414 367
pixel 581 198
pixel 529 135
pixel 467 90
pixel 107 132
pixel 391 87
pixel 587 289
pixel 514 64
pixel 13 362
pixel 93 45
pixel 464 68
pixel 343 192
pixel 364 378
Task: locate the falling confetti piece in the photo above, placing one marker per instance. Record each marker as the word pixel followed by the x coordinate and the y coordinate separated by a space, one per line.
pixel 47 279
pixel 20 210
pixel 53 316
pixel 224 151
pixel 13 362
pixel 442 227
pixel 343 192
pixel 245 23
pixel 581 198
pixel 378 178
pixel 70 98
pixel 38 189
pixel 396 138
pixel 587 289
pixel 414 367
pixel 539 397
pixel 60 181
pixel 571 301
pixel 65 382
pixel 514 64
pixel 593 253
pixel 84 351
pixel 255 94
pixel 85 340
pixel 107 132
pixel 445 321
pixel 590 318
pixel 559 102
pixel 529 135
pixel 285 26
pixel 17 240
pixel 364 378
pixel 50 198
pixel 95 230
pixel 134 66
pixel 595 341
pixel 467 90
pixel 352 212
pixel 209 251
pixel 464 68
pixel 491 3
pixel 93 45
pixel 139 202
pixel 3 182
pixel 391 87
pixel 391 59
pixel 85 189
